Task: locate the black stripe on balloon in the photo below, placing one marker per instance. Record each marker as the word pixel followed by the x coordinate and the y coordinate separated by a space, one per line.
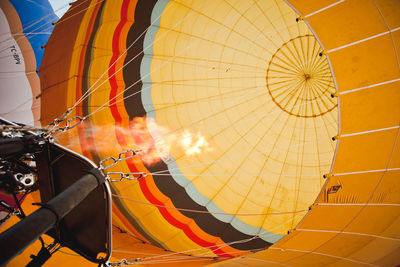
pixel 134 56
pixel 166 184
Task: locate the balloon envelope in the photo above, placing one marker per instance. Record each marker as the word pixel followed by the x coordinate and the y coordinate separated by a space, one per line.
pixel 233 96
pixel 232 106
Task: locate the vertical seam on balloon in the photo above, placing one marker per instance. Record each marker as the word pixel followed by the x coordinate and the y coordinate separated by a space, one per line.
pixel 322 254
pixel 357 204
pixel 391 35
pixel 348 233
pixel 367 171
pixel 371 131
pixel 368 86
pixel 323 9
pixel 363 40
pixel 262 260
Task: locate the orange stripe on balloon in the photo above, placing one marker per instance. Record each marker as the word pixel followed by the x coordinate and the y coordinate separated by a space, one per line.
pixel 127 224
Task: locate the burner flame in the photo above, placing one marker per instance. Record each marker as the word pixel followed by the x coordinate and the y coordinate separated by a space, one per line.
pixel 144 134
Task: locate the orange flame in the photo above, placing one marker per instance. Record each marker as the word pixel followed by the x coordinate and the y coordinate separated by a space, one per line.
pixel 153 146
pixel 194 143
pixel 154 141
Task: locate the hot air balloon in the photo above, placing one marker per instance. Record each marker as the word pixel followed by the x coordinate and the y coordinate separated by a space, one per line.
pixel 265 132
pixel 25 28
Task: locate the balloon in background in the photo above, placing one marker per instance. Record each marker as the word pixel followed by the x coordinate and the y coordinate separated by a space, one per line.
pixel 24 29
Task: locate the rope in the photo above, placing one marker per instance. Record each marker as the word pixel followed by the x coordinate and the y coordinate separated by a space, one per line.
pixel 209 212
pixel 212 248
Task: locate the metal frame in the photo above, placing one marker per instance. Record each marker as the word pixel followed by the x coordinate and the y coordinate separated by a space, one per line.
pixel 106 187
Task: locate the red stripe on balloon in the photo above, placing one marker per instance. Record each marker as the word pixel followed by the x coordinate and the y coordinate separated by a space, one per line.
pixel 121 140
pixel 112 69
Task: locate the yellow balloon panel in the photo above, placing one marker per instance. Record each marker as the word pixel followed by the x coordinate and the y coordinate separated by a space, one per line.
pixel 389 10
pixel 374 152
pixel 250 79
pixel 371 109
pixel 361 65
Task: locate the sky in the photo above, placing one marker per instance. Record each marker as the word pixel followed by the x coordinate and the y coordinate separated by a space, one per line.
pixel 60 6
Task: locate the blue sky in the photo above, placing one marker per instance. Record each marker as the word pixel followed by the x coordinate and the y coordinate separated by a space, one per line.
pixel 60 6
